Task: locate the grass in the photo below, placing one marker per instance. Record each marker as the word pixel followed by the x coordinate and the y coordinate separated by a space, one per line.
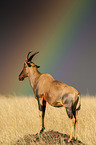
pixel 19 117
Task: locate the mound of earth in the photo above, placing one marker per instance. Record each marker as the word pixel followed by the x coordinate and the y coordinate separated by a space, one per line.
pixel 48 138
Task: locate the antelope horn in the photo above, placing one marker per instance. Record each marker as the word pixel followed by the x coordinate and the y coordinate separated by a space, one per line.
pixel 30 58
pixel 28 55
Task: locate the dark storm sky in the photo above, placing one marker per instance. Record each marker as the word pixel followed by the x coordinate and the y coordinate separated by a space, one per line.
pixel 63 31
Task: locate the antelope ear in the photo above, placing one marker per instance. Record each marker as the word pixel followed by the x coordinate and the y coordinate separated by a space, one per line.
pixel 37 66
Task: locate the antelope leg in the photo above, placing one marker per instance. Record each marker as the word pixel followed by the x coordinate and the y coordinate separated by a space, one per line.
pixel 72 128
pixel 42 107
pixel 75 129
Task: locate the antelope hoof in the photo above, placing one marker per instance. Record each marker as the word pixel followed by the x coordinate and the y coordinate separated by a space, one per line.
pixel 42 130
pixel 69 139
pixel 75 138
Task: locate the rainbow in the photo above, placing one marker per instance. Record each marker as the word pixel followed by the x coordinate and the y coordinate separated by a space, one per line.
pixel 62 36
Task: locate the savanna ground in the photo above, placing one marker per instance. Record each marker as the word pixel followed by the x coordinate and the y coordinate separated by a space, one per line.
pixel 19 122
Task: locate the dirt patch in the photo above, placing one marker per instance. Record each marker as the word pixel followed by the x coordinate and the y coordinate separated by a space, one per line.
pixel 47 138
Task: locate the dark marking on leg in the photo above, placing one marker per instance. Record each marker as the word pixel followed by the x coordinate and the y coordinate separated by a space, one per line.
pixel 69 112
pixel 42 108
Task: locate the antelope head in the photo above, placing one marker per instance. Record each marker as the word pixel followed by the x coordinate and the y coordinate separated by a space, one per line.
pixel 28 65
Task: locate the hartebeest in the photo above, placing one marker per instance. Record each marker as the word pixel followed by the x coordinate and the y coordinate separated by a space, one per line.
pixel 56 93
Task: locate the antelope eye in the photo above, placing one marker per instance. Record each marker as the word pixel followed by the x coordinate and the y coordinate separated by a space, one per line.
pixel 29 65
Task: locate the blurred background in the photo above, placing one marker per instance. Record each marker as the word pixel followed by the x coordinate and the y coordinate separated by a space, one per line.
pixel 64 32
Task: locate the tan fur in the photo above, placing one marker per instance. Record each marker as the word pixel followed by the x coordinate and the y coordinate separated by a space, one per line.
pixel 56 93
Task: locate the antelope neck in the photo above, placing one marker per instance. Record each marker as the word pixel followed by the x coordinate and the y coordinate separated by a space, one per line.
pixel 33 78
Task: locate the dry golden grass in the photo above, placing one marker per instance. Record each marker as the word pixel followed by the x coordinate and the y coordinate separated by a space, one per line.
pixel 19 117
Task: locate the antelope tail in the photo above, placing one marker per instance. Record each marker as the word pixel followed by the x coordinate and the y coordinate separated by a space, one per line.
pixel 78 104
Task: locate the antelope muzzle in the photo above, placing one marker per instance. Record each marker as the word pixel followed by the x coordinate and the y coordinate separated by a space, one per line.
pixel 21 78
